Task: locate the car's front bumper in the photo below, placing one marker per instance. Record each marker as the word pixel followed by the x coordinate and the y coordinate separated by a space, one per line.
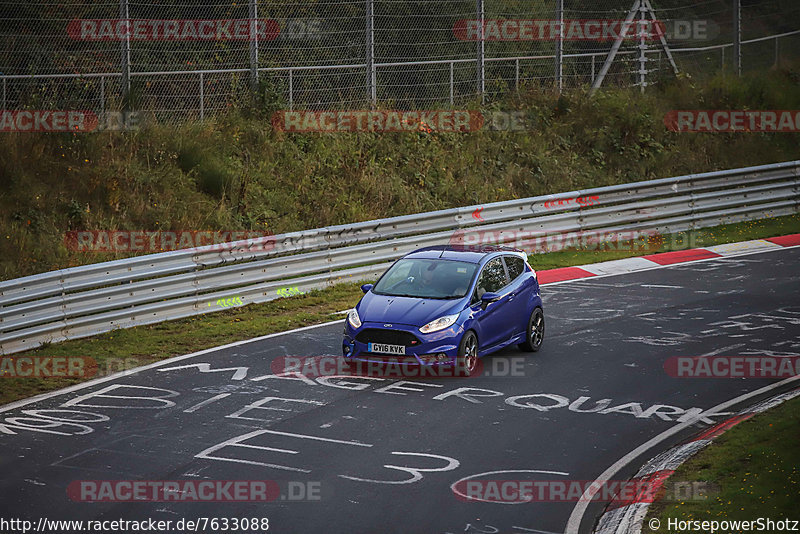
pixel 434 349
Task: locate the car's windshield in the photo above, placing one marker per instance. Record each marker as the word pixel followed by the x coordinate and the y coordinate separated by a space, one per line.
pixel 435 279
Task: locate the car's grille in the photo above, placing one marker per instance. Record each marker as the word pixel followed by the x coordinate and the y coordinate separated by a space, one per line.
pixel 389 358
pixel 390 337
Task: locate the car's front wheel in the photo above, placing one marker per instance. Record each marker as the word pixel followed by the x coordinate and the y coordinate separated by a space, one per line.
pixel 467 360
pixel 535 332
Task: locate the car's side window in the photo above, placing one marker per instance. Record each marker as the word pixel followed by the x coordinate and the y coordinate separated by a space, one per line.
pixel 515 265
pixel 492 279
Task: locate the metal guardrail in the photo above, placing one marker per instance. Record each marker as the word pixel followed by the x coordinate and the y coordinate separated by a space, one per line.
pixel 91 299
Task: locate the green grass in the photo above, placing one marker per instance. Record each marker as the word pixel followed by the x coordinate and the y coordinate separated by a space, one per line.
pixel 754 466
pixel 127 348
pixel 132 347
pixel 235 172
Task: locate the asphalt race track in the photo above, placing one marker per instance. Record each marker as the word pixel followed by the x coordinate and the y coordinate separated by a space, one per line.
pixel 606 338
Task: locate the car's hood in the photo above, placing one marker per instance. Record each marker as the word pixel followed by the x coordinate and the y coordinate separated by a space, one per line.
pixel 404 310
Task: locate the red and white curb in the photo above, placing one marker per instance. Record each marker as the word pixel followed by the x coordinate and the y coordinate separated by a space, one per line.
pixel 664 259
pixel 626 517
pixel 629 265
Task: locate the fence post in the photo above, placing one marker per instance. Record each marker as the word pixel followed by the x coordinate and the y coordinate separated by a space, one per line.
pixel 777 51
pixel 125 60
pixel 4 93
pixel 372 77
pixel 451 84
pixel 723 57
pixel 560 45
pixel 516 74
pixel 737 37
pixel 594 58
pixel 253 14
pixel 291 90
pixel 614 49
pixel 102 94
pixel 642 49
pixel 202 107
pixel 481 50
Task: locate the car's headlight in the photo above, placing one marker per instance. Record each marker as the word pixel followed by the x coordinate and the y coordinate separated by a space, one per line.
pixel 354 319
pixel 439 324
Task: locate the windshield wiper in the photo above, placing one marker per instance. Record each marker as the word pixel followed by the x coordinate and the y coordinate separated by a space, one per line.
pixel 417 296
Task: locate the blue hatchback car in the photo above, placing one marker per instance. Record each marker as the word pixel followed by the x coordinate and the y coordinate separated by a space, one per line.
pixel 447 306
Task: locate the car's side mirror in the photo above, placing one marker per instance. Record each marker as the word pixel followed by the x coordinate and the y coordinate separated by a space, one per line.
pixel 487 298
pixel 366 287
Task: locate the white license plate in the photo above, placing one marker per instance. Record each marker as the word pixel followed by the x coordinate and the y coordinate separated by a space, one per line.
pixel 383 348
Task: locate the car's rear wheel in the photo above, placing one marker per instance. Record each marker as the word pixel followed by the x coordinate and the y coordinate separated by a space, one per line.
pixel 535 332
pixel 467 360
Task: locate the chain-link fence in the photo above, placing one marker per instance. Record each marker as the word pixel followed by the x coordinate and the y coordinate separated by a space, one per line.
pixel 183 59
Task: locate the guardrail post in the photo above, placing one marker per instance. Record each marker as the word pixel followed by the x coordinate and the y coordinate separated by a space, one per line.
pixel 196 283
